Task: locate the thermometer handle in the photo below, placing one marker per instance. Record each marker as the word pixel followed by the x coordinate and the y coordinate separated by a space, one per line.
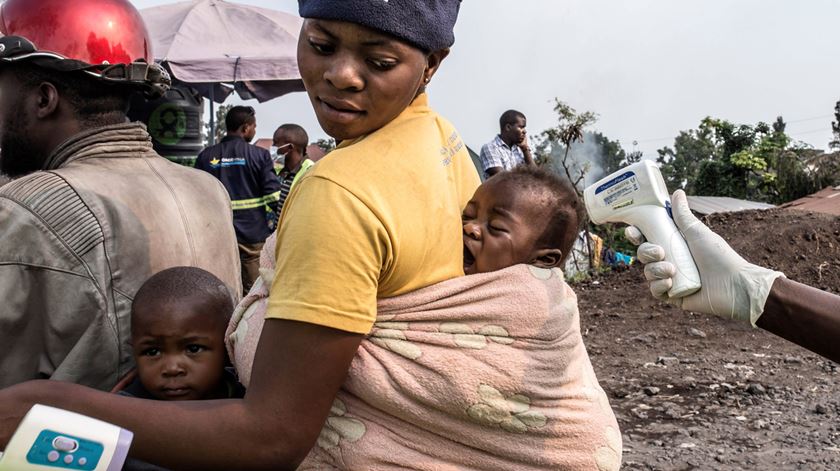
pixel 658 228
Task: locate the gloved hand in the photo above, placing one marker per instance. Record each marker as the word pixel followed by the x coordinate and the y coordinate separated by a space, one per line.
pixel 730 286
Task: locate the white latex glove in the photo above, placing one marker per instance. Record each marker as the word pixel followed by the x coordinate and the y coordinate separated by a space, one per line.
pixel 731 286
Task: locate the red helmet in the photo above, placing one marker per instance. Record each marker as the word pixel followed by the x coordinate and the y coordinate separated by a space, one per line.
pixel 106 38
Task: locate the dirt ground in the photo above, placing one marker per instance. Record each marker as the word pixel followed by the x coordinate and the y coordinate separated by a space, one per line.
pixel 693 391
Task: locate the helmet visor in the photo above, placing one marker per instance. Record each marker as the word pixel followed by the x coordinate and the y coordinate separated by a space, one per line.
pixel 15 48
pixel 152 78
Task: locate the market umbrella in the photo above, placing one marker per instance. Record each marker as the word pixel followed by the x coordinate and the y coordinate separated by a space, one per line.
pixel 218 47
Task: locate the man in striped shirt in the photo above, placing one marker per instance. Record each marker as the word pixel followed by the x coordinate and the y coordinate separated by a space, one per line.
pixel 291 141
pixel 510 147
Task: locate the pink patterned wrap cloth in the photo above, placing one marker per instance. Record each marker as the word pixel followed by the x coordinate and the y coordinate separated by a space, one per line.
pixel 487 371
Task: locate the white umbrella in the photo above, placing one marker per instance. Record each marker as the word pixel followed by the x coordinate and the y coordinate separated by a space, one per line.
pixel 217 46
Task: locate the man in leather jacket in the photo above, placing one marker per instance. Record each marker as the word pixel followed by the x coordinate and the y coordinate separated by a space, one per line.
pixel 93 210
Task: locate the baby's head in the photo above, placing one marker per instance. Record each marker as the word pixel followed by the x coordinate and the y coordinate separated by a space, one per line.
pixel 526 215
pixel 178 322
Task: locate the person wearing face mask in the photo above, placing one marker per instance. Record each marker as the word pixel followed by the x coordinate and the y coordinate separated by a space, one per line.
pixel 247 173
pixel 510 147
pixel 290 141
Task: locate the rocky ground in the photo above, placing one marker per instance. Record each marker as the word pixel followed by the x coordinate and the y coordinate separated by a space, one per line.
pixel 696 392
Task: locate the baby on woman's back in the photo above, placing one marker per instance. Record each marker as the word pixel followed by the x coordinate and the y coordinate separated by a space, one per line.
pixel 525 215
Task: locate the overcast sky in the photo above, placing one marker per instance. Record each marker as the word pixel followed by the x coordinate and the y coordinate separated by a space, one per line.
pixel 649 68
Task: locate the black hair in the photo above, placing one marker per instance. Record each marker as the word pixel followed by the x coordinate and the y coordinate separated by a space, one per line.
pixel 180 282
pixel 296 134
pixel 509 117
pixel 94 102
pixel 563 209
pixel 239 116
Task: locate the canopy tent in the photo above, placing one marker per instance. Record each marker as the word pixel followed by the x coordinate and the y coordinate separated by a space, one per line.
pixel 218 47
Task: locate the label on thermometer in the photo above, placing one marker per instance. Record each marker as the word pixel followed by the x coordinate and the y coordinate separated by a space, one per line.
pixel 623 185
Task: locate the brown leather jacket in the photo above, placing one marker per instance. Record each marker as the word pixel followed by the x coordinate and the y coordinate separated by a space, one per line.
pixel 79 238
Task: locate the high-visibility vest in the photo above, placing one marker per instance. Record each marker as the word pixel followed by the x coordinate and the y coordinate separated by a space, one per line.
pixel 252 203
pixel 304 166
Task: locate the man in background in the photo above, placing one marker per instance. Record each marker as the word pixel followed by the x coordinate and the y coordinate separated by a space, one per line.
pixel 247 172
pixel 291 141
pixel 510 147
pixel 93 210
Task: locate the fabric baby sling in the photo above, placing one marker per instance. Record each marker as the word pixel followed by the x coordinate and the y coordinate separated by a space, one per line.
pixel 487 371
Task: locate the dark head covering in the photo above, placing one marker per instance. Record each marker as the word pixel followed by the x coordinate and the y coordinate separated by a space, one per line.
pixel 427 24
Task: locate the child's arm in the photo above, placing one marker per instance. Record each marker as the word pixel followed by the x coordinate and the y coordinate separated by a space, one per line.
pixel 125 381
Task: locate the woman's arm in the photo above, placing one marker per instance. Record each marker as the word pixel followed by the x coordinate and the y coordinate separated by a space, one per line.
pixel 298 370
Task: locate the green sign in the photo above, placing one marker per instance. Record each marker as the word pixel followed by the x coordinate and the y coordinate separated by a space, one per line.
pixel 168 124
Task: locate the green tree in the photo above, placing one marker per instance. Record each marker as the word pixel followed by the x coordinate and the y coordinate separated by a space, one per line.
pixel 792 181
pixel 326 145
pixel 633 157
pixel 221 112
pixel 680 165
pixel 729 174
pixel 716 159
pixel 557 141
pixel 597 156
pixel 613 156
pixel 825 168
pixel 760 162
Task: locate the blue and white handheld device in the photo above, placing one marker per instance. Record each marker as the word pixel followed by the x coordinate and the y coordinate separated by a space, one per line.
pixel 637 195
pixel 50 439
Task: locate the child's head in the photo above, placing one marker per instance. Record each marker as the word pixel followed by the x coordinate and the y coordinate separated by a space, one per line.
pixel 178 322
pixel 526 215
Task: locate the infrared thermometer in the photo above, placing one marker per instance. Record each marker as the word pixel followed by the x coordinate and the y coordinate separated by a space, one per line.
pixel 50 439
pixel 637 195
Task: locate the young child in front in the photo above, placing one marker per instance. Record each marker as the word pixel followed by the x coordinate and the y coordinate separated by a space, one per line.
pixel 526 215
pixel 178 321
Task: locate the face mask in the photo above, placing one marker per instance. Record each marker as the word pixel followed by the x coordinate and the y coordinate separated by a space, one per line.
pixel 279 153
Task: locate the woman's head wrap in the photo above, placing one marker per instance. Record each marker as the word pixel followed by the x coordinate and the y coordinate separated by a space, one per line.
pixel 426 24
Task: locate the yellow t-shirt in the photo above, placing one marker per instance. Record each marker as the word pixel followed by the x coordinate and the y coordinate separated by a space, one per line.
pixel 377 217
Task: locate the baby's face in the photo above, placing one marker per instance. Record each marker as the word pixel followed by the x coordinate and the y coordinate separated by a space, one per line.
pixel 501 228
pixel 180 354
